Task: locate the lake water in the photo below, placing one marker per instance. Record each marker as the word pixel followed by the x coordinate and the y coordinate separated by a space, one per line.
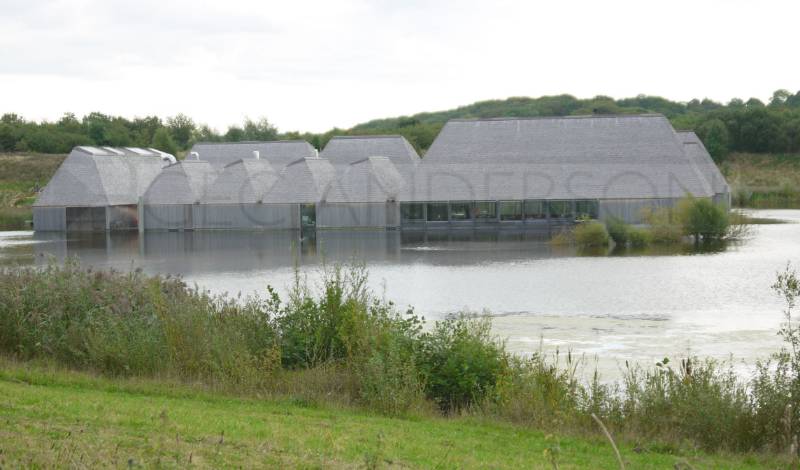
pixel 609 308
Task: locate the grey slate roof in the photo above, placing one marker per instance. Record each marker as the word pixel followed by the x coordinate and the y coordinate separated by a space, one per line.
pixel 278 153
pixel 600 157
pixel 696 151
pixel 185 182
pixel 374 179
pixel 241 182
pixel 344 150
pixel 304 181
pixel 97 177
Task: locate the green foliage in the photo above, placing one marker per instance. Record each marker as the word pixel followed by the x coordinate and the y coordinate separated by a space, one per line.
pixel 343 344
pixel 618 230
pixel 663 225
pixel 181 129
pixel 590 233
pixel 163 141
pixel 461 362
pixel 738 126
pixel 714 135
pixel 702 219
pixel 639 237
pixel 15 218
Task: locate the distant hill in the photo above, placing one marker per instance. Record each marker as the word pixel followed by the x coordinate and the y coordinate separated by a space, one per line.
pixel 739 126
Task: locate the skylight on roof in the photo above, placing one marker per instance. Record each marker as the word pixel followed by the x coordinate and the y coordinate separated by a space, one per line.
pixel 93 150
pixel 114 151
pixel 139 151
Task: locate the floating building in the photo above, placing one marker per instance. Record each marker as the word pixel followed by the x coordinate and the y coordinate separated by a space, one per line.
pixel 506 172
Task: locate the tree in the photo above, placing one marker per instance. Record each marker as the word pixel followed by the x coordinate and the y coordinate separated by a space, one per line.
pixel 779 97
pixel 234 134
pixel 97 125
pixel 754 103
pixel 207 134
pixel 182 129
pixel 9 136
pixel 163 141
pixel 715 137
pixel 259 130
pixel 736 103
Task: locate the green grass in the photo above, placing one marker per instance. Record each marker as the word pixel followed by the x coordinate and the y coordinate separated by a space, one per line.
pixel 20 174
pixel 764 181
pixel 52 417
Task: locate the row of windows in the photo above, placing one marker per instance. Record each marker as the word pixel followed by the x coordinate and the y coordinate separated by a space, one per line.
pixel 489 210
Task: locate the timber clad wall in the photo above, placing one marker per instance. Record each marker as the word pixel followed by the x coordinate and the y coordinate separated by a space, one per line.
pixel 502 172
pixel 247 216
pixel 50 219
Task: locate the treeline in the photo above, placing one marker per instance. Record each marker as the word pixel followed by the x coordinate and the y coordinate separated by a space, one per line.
pixel 738 126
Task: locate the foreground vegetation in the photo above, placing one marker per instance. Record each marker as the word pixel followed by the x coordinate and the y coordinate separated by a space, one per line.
pixel 341 346
pixel 53 417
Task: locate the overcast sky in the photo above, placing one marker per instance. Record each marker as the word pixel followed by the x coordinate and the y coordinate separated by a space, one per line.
pixel 315 65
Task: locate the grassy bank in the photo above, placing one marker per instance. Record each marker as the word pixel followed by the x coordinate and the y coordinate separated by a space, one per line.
pixel 20 175
pixel 340 346
pixel 764 181
pixel 52 417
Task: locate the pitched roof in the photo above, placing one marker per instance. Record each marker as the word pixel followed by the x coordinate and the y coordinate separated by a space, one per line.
pixel 374 179
pixel 303 181
pixel 241 182
pixel 184 182
pixel 278 153
pixel 635 156
pixel 101 177
pixel 344 150
pixel 696 151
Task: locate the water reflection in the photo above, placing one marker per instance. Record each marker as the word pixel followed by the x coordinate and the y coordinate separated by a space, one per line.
pixel 212 251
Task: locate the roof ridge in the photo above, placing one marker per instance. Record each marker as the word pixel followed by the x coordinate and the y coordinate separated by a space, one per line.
pixel 553 118
pixel 369 136
pixel 250 142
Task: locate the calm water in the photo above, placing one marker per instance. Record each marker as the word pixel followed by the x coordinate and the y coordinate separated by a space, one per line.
pixel 632 306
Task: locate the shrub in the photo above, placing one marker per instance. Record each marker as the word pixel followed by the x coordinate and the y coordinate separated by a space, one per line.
pixel 591 234
pixel 389 381
pixel 618 230
pixel 702 219
pixel 639 237
pixel 663 226
pixel 461 362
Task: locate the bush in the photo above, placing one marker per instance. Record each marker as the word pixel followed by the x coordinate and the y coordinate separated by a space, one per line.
pixel 639 237
pixel 702 219
pixel 461 362
pixel 663 226
pixel 618 230
pixel 591 234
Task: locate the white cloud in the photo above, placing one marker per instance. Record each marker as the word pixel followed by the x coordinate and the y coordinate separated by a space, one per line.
pixel 314 65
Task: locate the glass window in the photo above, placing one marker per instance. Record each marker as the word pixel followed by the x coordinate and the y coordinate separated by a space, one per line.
pixel 308 215
pixel 535 209
pixel 560 209
pixel 510 210
pixel 412 211
pixel 586 208
pixel 437 212
pixel 460 211
pixel 485 210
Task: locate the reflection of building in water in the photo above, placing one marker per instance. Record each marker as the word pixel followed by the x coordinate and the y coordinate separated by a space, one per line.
pixel 216 251
pixel 509 173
